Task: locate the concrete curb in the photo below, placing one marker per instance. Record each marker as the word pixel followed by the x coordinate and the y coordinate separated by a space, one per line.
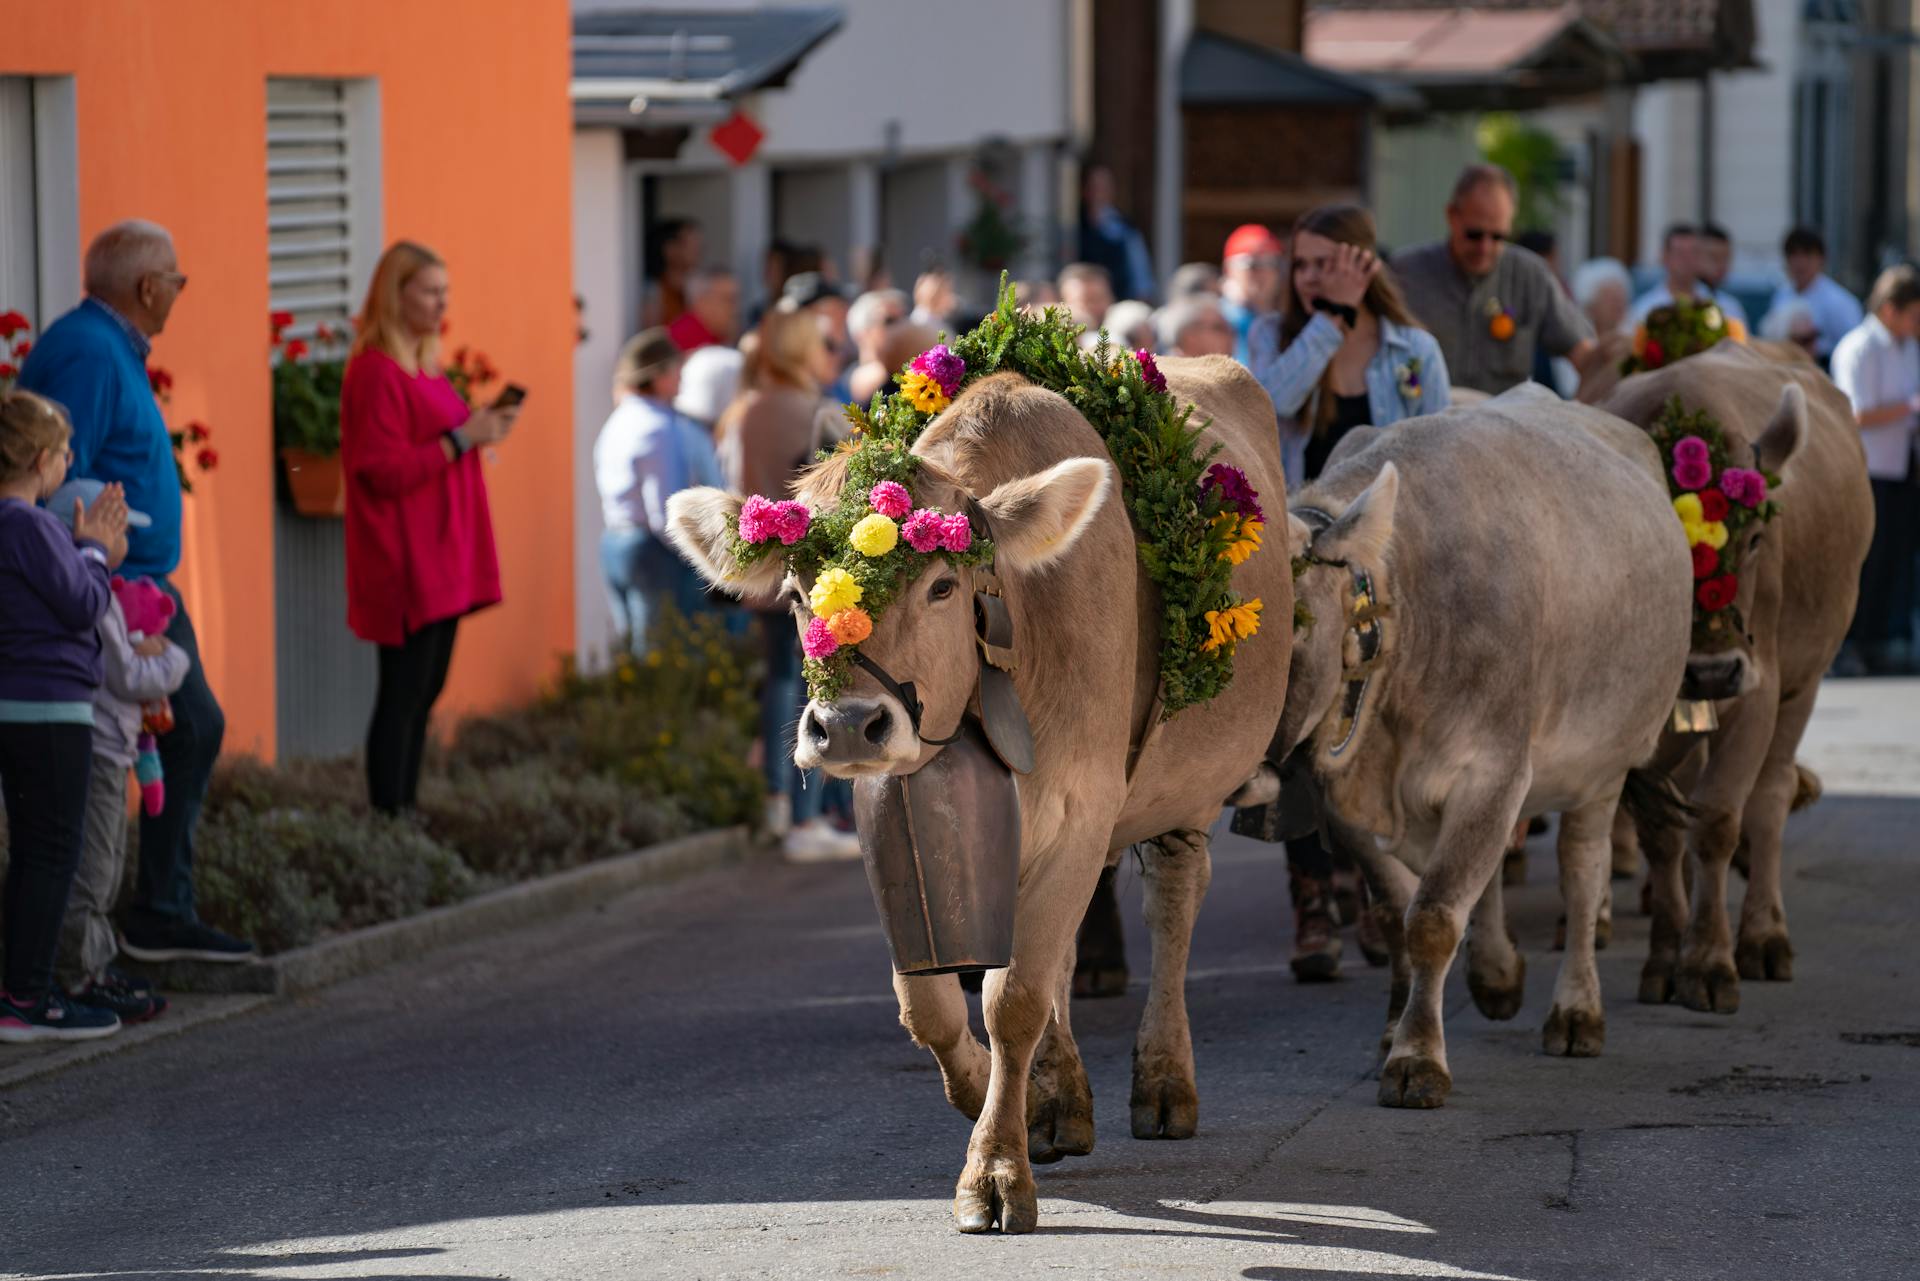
pixel 333 960
pixel 42 1061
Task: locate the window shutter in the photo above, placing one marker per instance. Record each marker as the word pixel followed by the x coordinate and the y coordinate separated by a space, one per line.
pixel 310 196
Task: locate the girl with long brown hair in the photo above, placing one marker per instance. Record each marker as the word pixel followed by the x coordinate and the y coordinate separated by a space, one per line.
pixel 1344 351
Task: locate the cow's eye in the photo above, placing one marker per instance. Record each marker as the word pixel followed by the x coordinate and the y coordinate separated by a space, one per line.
pixel 942 590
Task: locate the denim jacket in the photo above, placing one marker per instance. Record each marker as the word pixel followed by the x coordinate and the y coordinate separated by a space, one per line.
pixel 1406 378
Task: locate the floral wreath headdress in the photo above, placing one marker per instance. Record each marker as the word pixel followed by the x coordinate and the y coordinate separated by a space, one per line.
pixel 1196 519
pixel 1716 504
pixel 1682 328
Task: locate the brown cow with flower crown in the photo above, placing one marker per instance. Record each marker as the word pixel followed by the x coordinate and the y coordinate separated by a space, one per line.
pixel 1131 575
pixel 1773 600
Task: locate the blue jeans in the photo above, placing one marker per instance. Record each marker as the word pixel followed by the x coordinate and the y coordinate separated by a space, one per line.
pixel 644 575
pixel 809 792
pixel 163 890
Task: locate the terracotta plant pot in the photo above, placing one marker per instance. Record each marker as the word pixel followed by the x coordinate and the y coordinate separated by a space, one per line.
pixel 318 485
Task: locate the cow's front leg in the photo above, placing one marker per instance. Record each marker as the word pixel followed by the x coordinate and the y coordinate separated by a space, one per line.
pixel 1577 1025
pixel 1764 951
pixel 934 1011
pixel 1474 828
pixel 997 1184
pixel 1496 972
pixel 1059 1098
pixel 1177 868
pixel 1706 979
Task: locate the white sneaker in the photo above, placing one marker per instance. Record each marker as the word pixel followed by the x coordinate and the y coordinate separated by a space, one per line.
pixel 779 816
pixel 818 841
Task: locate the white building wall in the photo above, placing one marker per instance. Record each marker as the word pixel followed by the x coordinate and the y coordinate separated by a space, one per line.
pixel 1753 134
pixel 602 270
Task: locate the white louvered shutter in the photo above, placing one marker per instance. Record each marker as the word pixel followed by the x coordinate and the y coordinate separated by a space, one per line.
pixel 310 203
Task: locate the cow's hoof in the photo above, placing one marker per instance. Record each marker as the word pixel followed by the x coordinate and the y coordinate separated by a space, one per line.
pixel 1577 1034
pixel 1000 1193
pixel 1768 958
pixel 1656 981
pixel 1164 1106
pixel 1711 988
pixel 1060 1122
pixel 1499 1001
pixel 1414 1081
pixel 1095 982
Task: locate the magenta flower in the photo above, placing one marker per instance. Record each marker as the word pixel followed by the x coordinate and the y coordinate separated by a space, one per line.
pixel 819 641
pixel 956 534
pixel 1236 491
pixel 890 499
pixel 757 519
pixel 790 521
pixel 924 530
pixel 1744 486
pixel 940 364
pixel 1150 372
pixel 1691 474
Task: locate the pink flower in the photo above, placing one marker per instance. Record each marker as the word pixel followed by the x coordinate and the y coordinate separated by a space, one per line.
pixel 890 499
pixel 956 534
pixel 1690 474
pixel 1744 486
pixel 790 521
pixel 925 530
pixel 1150 372
pixel 819 641
pixel 940 364
pixel 757 519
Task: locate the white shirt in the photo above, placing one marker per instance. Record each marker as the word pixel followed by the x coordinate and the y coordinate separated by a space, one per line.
pixel 645 455
pixel 1660 296
pixel 1876 370
pixel 1835 311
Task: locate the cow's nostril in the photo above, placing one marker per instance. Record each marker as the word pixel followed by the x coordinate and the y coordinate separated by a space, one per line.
pixel 812 731
pixel 879 726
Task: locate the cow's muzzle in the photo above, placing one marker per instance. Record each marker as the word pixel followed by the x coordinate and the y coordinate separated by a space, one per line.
pixel 1716 676
pixel 854 736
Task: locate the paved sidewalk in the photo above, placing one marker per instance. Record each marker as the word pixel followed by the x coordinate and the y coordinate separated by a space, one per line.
pixel 1864 739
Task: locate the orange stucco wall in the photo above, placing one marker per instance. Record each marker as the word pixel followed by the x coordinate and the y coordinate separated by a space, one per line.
pixel 476 136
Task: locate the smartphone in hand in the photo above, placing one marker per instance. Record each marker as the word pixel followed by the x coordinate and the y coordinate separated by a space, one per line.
pixel 510 396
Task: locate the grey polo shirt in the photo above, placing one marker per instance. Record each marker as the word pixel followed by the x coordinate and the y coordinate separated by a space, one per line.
pixel 1457 310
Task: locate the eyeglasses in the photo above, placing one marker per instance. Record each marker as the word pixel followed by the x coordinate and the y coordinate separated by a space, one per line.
pixel 174 278
pixel 1478 234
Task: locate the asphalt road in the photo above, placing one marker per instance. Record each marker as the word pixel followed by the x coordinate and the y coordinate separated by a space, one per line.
pixel 708 1081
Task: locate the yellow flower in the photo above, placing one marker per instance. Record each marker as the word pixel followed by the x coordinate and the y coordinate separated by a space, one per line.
pixel 1243 536
pixel 1232 625
pixel 1736 330
pixel 1687 508
pixel 875 535
pixel 924 393
pixel 832 592
pixel 1714 534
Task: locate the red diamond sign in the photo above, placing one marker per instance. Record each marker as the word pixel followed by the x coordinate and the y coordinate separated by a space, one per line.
pixel 737 138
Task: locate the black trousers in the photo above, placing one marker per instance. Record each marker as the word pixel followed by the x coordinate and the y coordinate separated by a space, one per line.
pixel 44 774
pixel 411 678
pixel 1885 611
pixel 163 889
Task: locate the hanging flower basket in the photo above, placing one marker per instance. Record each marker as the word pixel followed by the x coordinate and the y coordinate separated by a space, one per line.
pixel 316 481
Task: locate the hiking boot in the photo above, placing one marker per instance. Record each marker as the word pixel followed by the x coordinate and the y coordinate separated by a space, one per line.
pixel 129 1003
pixel 176 940
pixel 818 841
pixel 1346 896
pixel 1316 942
pixel 53 1017
pixel 1371 935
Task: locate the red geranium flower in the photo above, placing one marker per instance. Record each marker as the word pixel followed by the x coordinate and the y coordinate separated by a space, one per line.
pixel 1655 355
pixel 21 348
pixel 280 319
pixel 197 432
pixel 160 379
pixel 7 371
pixel 323 333
pixel 208 459
pixel 295 349
pixel 1705 561
pixel 1713 504
pixel 1717 593
pixel 11 323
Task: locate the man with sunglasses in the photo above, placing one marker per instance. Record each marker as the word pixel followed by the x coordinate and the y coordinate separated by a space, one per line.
pixel 1490 303
pixel 93 362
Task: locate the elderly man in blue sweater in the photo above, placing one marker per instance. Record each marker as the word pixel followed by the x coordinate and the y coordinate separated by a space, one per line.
pixel 93 361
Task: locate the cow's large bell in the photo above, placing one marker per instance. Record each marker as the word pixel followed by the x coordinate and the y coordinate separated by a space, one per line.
pixel 942 848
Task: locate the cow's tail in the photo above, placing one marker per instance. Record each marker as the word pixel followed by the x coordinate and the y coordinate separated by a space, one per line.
pixel 1654 801
pixel 1807 790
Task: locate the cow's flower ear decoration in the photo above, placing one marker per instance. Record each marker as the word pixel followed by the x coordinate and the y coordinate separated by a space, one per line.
pixel 1716 505
pixel 1683 328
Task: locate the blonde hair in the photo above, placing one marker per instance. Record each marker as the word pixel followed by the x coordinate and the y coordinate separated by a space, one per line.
pixel 790 344
pixel 378 327
pixel 30 425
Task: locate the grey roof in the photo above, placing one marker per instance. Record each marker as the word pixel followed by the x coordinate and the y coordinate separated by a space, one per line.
pixel 685 55
pixel 1218 70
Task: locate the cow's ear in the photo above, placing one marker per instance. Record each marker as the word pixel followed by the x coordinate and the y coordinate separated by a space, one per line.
pixel 1299 536
pixel 1038 518
pixel 1785 432
pixel 700 525
pixel 1365 529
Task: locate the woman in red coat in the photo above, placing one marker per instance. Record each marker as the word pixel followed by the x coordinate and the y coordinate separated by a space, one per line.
pixel 420 552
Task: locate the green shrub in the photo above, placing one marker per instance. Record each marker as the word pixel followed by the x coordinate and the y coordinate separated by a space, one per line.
pixel 521 821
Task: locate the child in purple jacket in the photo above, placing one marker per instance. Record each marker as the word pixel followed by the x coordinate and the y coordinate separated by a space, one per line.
pixel 53 592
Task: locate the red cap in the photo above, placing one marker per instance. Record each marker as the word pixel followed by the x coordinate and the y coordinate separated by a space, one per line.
pixel 1250 239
